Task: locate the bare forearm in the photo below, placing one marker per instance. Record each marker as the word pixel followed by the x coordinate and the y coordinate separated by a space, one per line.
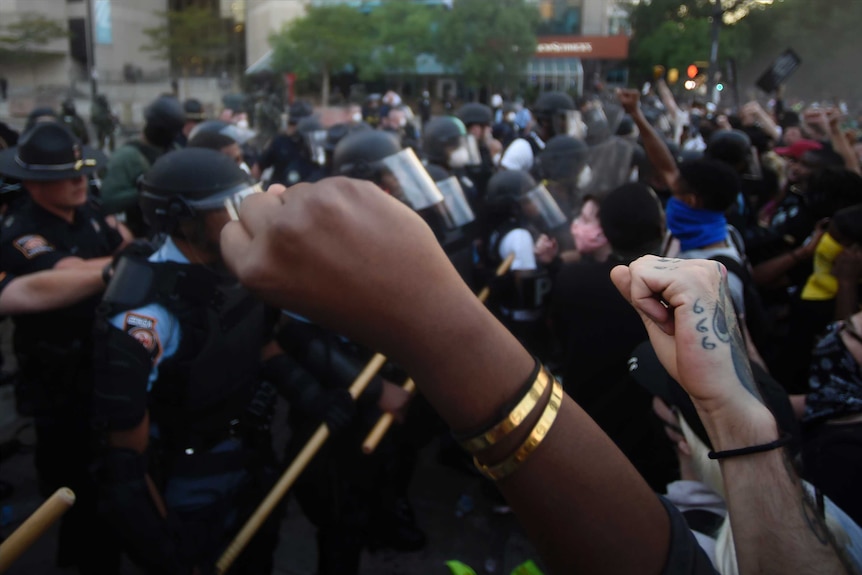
pixel 842 148
pixel 656 150
pixel 51 289
pixel 768 273
pixel 776 527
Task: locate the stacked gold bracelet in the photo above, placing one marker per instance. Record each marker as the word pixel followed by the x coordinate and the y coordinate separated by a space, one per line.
pixel 538 384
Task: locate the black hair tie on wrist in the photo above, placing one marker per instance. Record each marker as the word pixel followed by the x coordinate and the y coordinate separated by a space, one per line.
pixel 780 442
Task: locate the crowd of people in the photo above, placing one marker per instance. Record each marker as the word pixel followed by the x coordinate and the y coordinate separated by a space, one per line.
pixel 665 378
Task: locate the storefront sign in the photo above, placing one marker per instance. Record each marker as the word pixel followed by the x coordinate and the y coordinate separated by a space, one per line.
pixel 584 47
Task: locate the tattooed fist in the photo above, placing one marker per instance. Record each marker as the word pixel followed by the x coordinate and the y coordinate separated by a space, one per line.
pixel 688 312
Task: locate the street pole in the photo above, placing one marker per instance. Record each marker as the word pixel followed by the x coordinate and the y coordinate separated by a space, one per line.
pixel 717 14
pixel 91 51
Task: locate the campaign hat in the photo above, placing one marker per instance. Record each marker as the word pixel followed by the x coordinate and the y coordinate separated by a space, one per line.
pixel 49 151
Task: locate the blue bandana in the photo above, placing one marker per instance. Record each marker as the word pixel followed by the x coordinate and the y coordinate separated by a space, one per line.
pixel 694 228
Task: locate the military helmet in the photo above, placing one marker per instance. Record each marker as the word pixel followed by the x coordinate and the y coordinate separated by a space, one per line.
pixel 183 183
pixel 475 113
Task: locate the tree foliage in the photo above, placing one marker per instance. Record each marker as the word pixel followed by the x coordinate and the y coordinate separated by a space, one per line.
pixel 675 33
pixel 22 39
pixel 192 38
pixel 324 41
pixel 400 32
pixel 490 43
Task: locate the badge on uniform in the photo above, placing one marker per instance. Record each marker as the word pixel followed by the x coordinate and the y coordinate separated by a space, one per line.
pixel 32 245
pixel 143 329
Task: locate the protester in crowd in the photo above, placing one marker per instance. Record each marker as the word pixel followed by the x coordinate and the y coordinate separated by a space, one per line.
pixel 70 118
pixel 627 223
pixel 104 121
pixel 413 307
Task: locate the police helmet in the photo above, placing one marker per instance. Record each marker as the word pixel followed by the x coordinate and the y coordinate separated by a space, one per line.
pixel 231 132
pixel 165 113
pixel 552 103
pixel 358 155
pixel 337 132
pixel 440 136
pixel 563 158
pixel 514 193
pixel 506 188
pixel 299 110
pixel 194 110
pixel 68 107
pixel 183 183
pixel 475 113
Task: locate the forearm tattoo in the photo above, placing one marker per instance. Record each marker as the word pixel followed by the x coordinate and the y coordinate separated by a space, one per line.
pixel 724 328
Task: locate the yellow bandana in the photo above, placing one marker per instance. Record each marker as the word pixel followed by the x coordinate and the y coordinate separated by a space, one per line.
pixel 821 284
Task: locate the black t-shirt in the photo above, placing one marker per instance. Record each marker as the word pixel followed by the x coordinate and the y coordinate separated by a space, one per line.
pixel 33 239
pixel 597 329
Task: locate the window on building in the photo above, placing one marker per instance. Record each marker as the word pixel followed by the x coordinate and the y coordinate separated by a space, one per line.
pixel 560 17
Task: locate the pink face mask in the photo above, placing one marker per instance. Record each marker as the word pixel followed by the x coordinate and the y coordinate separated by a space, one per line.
pixel 587 231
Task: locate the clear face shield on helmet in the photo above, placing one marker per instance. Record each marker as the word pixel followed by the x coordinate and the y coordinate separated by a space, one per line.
pixel 466 154
pixel 404 177
pixel 230 200
pixel 316 142
pixel 457 212
pixel 539 207
pixel 573 124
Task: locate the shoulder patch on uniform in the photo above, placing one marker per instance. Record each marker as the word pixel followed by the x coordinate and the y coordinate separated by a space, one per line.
pixel 143 329
pixel 32 245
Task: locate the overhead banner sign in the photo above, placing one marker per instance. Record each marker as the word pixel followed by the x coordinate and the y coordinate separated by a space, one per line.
pixel 584 47
pixel 102 17
pixel 783 67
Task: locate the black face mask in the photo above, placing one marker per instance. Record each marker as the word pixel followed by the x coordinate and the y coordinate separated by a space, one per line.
pixel 835 377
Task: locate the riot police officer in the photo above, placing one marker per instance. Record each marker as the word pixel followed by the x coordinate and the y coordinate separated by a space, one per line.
pixel 446 143
pixel 69 116
pixel 478 119
pixel 563 165
pixel 164 119
pixel 178 395
pixel 517 209
pixel 284 153
pixel 56 226
pixel 554 113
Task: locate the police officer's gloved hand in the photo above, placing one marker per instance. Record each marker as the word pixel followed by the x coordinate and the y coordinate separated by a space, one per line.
pixel 335 407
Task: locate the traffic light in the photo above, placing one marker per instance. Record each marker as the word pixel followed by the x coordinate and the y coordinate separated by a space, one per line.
pixel 673 76
pixel 692 72
pixel 658 72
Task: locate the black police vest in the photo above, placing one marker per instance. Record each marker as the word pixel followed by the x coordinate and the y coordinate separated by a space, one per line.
pixel 522 299
pixel 208 383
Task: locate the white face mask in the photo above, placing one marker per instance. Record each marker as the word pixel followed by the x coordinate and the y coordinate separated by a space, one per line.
pixel 585 178
pixel 459 158
pixel 357 117
pixel 510 117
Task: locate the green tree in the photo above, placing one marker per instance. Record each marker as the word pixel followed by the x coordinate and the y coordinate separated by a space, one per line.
pixel 24 40
pixel 193 38
pixel 490 43
pixel 323 42
pixel 400 32
pixel 675 33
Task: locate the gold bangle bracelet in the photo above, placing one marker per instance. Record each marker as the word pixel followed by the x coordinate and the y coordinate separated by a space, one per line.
pixel 515 417
pixel 537 435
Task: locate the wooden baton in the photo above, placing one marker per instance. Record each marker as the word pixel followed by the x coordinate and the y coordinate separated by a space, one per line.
pixel 35 526
pixel 386 420
pixel 289 477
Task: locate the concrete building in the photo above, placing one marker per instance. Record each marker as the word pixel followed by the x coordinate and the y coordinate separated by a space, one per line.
pixel 110 46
